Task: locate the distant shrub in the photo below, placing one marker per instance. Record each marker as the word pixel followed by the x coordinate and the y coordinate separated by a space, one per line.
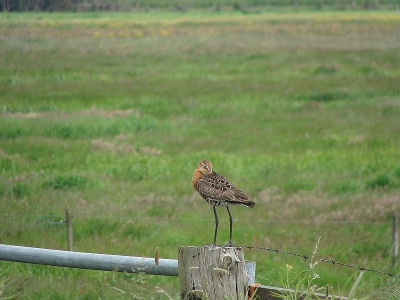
pixel 95 226
pixel 293 184
pixel 236 6
pixel 326 69
pixel 379 182
pixel 327 97
pixel 3 189
pixel 11 128
pixel 98 126
pixel 65 131
pixel 7 164
pixel 20 190
pixel 397 172
pixel 63 182
pixel 135 232
pixel 371 70
pixel 336 96
pixel 319 6
pixel 346 186
pixel 12 133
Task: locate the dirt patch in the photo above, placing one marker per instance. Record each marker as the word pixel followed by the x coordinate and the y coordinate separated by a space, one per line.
pixel 315 206
pixel 29 115
pixel 117 146
pixel 123 136
pixel 150 150
pixel 113 147
pixel 93 111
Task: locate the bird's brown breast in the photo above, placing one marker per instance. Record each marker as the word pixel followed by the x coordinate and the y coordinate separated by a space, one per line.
pixel 196 175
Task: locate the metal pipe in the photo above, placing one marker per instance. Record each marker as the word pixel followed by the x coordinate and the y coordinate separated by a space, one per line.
pixel 95 261
pixel 91 261
pixel 251 271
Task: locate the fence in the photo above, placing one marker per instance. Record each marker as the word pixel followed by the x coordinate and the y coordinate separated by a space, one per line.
pixel 225 261
pixel 68 221
pixel 155 266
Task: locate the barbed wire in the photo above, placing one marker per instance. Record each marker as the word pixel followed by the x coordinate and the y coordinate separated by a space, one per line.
pixel 331 261
pixel 306 221
pixel 61 222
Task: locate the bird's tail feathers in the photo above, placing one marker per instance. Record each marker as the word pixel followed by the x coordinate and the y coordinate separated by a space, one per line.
pixel 243 198
pixel 249 204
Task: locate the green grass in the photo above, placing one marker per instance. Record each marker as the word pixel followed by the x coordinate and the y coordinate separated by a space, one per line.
pixel 109 113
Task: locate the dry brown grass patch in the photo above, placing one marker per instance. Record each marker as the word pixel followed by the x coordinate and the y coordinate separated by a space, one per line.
pixel 93 111
pixel 103 145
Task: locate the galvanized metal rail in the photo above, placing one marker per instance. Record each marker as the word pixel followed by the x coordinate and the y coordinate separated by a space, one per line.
pixel 91 261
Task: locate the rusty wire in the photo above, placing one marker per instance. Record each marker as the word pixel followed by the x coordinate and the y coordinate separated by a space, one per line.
pixel 313 258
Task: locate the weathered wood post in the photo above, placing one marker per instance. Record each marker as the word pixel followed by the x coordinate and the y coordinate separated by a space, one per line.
pixel 212 272
pixel 68 218
pixel 395 235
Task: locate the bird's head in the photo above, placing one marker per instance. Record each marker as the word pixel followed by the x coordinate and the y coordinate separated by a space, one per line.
pixel 204 166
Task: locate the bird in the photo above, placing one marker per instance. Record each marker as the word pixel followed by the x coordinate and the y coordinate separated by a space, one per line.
pixel 218 191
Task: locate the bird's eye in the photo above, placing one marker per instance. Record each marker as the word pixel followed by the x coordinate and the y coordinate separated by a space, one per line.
pixel 205 167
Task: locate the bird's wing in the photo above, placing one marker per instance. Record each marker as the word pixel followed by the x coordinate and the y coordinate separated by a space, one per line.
pixel 217 187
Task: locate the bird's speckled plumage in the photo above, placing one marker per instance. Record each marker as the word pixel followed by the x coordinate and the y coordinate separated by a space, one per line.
pixel 216 189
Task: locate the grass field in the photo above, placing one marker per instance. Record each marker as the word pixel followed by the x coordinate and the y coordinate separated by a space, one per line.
pixel 109 113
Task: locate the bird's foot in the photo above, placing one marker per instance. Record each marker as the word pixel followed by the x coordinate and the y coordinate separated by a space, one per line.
pixel 230 244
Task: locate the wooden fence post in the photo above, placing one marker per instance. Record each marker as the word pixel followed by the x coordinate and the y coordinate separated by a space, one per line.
pixel 212 272
pixel 395 241
pixel 68 217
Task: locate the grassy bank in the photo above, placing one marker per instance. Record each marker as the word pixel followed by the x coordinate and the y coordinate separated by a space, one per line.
pixel 110 113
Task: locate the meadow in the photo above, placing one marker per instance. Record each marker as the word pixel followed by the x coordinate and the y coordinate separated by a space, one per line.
pixel 109 113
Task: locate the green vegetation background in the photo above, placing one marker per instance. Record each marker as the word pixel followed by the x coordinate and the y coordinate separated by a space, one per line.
pixel 181 5
pixel 109 113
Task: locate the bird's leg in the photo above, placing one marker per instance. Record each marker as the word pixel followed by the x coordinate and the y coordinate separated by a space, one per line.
pixel 216 226
pixel 230 228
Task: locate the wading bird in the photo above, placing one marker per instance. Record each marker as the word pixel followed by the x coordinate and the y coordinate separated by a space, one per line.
pixel 218 191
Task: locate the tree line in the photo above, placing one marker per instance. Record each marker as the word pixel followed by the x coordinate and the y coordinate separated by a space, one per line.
pixel 125 5
pixel 58 5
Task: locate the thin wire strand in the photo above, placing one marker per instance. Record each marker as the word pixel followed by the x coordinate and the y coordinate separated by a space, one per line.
pixel 61 222
pixel 331 261
pixel 206 219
